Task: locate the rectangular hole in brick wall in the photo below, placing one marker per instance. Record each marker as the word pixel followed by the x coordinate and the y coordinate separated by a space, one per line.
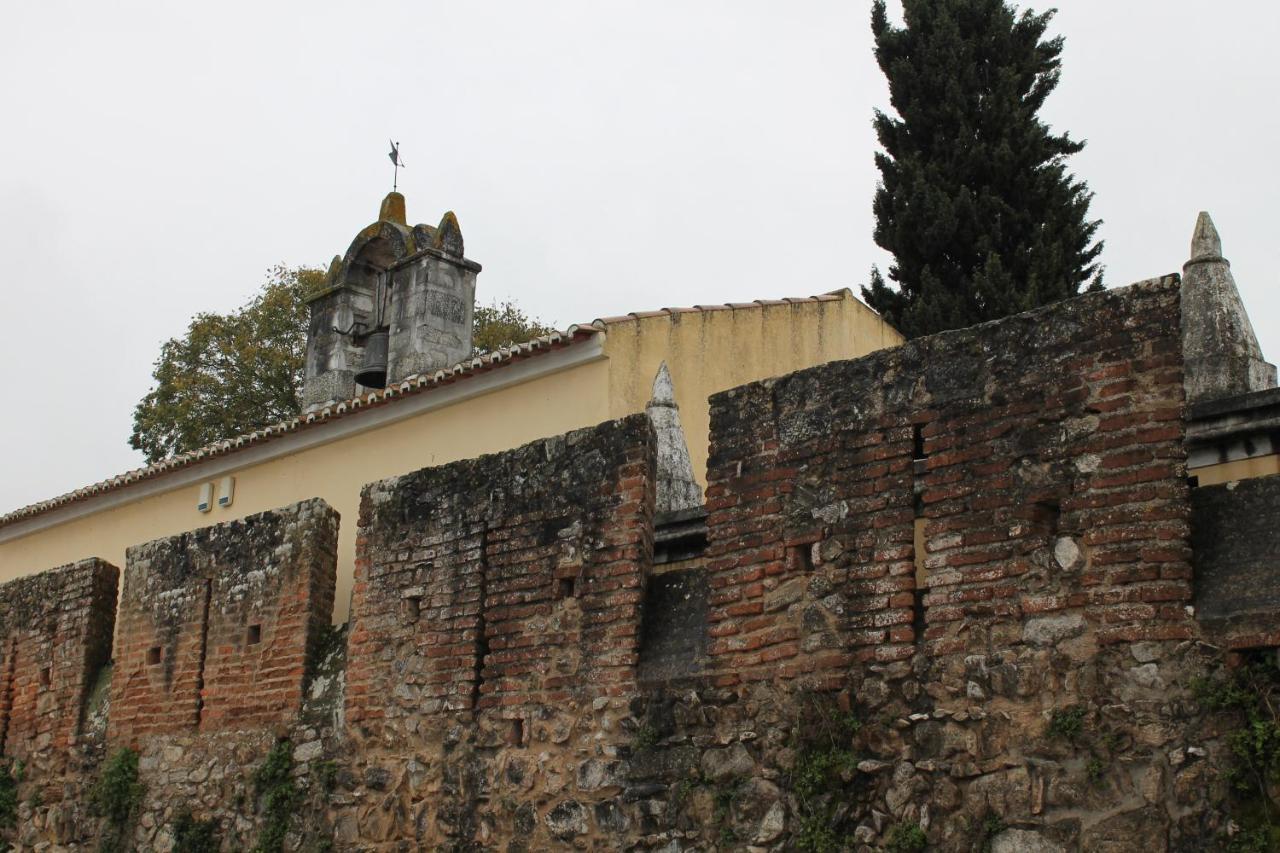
pixel 917 442
pixel 800 558
pixel 46 676
pixel 515 734
pixel 253 636
pixel 566 588
pixel 154 656
pixel 411 608
pixel 1047 515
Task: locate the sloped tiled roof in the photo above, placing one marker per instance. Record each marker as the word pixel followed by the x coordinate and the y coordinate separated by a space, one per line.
pixel 411 386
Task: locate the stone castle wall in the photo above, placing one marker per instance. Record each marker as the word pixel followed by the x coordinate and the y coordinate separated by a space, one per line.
pixel 947 589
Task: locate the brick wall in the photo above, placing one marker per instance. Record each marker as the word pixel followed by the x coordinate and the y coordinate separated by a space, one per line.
pixel 216 625
pixel 55 634
pixel 506 582
pixel 1039 459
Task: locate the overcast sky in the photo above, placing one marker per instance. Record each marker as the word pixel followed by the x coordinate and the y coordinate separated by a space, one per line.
pixel 602 157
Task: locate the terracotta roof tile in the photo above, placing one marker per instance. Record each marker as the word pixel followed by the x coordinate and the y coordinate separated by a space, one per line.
pixel 409 386
pixel 372 399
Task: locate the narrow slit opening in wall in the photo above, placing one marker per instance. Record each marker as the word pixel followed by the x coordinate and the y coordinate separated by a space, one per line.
pixel 204 649
pixel 253 636
pixel 515 734
pixel 566 588
pixel 46 676
pixel 482 637
pixel 919 552
pixel 154 656
pixel 917 442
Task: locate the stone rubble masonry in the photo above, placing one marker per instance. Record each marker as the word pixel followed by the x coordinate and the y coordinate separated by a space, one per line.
pixel 55 635
pixel 505 583
pixel 1235 533
pixel 217 625
pixel 976 545
pixel 1041 456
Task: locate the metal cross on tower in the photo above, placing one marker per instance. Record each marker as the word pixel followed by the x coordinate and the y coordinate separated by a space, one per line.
pixel 395 158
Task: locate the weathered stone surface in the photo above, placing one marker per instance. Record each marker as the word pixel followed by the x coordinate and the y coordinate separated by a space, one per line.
pixel 677 487
pixel 411 283
pixel 1223 358
pixel 1024 841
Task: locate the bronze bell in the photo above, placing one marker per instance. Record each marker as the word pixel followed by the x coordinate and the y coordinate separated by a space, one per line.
pixel 373 365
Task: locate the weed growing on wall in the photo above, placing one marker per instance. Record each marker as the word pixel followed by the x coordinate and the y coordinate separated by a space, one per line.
pixel 906 838
pixel 278 795
pixel 116 797
pixel 10 776
pixel 1252 694
pixel 194 836
pixel 824 761
pixel 1067 723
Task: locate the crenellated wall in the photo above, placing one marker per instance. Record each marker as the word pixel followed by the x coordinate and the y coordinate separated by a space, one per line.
pixel 217 625
pixel 941 592
pixel 55 635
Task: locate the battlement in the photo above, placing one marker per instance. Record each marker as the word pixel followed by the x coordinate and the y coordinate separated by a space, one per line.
pixel 955 540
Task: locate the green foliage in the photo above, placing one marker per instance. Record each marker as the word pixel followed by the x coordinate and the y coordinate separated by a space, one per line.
pixel 278 795
pixel 230 374
pixel 975 202
pixel 10 776
pixel 824 759
pixel 645 738
pixel 501 324
pixel 194 836
pixel 116 797
pixel 327 774
pixel 1251 694
pixel 991 827
pixel 1067 723
pixel 906 838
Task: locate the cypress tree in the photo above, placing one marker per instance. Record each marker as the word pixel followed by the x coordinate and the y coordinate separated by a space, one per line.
pixel 974 201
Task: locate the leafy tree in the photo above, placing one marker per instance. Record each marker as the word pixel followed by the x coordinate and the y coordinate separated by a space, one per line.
pixel 974 201
pixel 233 373
pixel 501 324
pixel 230 373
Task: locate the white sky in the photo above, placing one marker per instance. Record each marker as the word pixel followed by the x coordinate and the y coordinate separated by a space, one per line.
pixel 602 157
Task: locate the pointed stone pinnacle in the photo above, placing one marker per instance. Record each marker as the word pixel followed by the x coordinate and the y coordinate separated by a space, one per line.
pixel 663 392
pixel 1205 243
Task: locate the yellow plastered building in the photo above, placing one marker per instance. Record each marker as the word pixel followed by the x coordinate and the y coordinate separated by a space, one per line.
pixel 590 373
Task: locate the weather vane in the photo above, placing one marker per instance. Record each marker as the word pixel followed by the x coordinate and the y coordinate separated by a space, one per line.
pixel 395 158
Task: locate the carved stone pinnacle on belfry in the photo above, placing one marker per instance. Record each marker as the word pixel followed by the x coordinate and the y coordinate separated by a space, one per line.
pixel 1206 245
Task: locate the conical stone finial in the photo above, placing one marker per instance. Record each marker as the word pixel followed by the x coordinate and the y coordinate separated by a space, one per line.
pixel 1206 245
pixel 664 393
pixel 677 487
pixel 1221 356
pixel 392 209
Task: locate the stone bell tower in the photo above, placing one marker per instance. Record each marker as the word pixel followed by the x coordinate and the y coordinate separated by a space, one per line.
pixel 397 304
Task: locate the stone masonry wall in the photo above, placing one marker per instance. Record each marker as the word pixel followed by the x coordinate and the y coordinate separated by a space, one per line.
pixel 217 625
pixel 496 624
pixel 946 600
